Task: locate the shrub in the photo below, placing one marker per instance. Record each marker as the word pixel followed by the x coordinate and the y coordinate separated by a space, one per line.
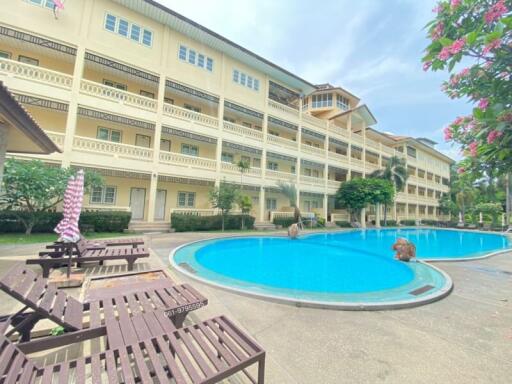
pixel 183 223
pixel 285 222
pixel 105 221
pixel 47 221
pixel 343 224
pixel 408 222
pixel 430 222
pixel 390 223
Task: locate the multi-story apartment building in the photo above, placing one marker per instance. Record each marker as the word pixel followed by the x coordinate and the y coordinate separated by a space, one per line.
pixel 164 108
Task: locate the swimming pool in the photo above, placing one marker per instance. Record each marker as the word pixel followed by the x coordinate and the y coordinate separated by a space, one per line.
pixel 349 270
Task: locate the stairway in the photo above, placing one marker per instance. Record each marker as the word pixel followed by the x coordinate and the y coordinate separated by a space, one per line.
pixel 146 227
pixel 264 226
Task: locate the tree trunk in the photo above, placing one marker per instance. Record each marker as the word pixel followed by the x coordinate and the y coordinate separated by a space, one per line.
pixel 242 221
pixel 222 222
pixel 29 226
pixel 385 214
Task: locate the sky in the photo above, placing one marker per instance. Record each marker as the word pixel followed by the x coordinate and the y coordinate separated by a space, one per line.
pixel 372 48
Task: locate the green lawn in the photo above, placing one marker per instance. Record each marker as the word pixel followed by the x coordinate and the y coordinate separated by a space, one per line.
pixel 20 238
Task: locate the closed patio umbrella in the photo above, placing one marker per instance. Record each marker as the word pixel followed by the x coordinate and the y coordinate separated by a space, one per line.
pixel 68 227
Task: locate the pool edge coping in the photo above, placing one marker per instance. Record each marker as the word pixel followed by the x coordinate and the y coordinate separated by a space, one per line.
pixel 439 294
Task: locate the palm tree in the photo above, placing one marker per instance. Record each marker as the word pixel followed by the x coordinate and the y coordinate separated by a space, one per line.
pixel 289 190
pixel 396 172
pixel 243 166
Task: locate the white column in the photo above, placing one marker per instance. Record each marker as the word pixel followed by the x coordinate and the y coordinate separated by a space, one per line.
pixel 4 131
pixel 326 210
pixel 262 204
pixel 363 218
pixel 377 215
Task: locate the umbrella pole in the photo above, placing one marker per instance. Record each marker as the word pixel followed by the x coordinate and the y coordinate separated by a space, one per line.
pixel 69 251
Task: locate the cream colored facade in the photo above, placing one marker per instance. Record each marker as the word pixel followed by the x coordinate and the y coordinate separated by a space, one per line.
pixel 163 127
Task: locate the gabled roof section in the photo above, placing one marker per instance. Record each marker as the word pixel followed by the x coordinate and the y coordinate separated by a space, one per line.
pixel 196 31
pixel 363 111
pixel 330 87
pixel 30 134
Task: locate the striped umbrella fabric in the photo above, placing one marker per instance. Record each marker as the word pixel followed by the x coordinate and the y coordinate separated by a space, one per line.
pixel 73 197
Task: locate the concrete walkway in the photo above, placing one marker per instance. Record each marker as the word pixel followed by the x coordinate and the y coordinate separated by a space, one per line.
pixel 464 338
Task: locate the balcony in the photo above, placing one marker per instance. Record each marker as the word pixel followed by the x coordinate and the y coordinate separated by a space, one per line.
pixel 313 150
pixel 187 161
pixel 274 105
pixel 233 168
pixel 188 115
pixel 338 157
pixel 277 175
pixel 57 138
pixel 311 180
pixel 372 144
pixel 338 130
pixel 388 150
pixel 87 144
pixel 333 184
pixel 93 88
pixel 36 74
pixel 281 142
pixel 314 121
pixel 240 130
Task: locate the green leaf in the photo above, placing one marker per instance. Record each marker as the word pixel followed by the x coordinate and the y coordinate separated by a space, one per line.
pixel 471 37
pixel 444 41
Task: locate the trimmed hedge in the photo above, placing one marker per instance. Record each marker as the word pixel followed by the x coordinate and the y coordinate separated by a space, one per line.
pixel 408 222
pixel 430 222
pixel 184 223
pixel 390 223
pixel 104 221
pixel 343 224
pixel 284 222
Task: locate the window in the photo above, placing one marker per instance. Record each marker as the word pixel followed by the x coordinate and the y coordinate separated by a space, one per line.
pixel 246 80
pixel 316 173
pixel 246 159
pixel 28 60
pixel 246 124
pixel 110 22
pixel 342 102
pixel 5 55
pixel 122 29
pixel 227 157
pixel 103 195
pixel 236 75
pixel 322 101
pixel 147 38
pixel 292 169
pixel 168 100
pixel 135 33
pixel 165 145
pixel 200 61
pixel 256 163
pixel 186 199
pixel 189 149
pixel 229 119
pixel 242 78
pixel 307 172
pixel 271 204
pixel 108 134
pixel 192 108
pixel 272 165
pixel 115 84
pixel 191 56
pixel 411 151
pixel 143 141
pixel 195 58
pixel 273 133
pixel 249 81
pixel 151 95
pixel 209 64
pixel 183 53
pixel 127 29
pixel 256 85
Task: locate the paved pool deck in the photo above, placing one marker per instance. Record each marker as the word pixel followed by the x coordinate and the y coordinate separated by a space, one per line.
pixel 464 338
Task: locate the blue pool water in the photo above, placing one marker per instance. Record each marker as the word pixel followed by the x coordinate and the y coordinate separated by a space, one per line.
pixel 353 266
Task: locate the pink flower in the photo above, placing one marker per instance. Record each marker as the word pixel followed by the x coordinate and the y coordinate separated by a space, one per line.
pixel 448 134
pixel 489 47
pixel 454 80
pixel 464 72
pixel 427 65
pixel 457 45
pixel 438 8
pixel 437 32
pixel 473 146
pixel 483 104
pixel 461 170
pixel 455 3
pixel 496 11
pixel 493 135
pixel 444 54
pixel 458 121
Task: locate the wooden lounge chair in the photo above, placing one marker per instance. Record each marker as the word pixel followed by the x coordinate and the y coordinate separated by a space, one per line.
pixel 53 259
pixel 98 244
pixel 207 352
pixel 42 301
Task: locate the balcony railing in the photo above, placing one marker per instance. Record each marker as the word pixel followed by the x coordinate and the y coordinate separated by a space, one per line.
pixel 338 156
pixel 243 131
pixel 339 217
pixel 356 138
pixel 338 130
pixel 186 160
pixel 283 108
pixel 315 121
pixel 104 91
pixel 313 150
pixel 57 138
pixel 110 148
pixel 372 144
pixel 35 73
pixel 388 150
pixel 186 114
pixel 278 175
pixel 333 183
pixel 233 168
pixel 311 180
pixel 285 214
pixel 282 142
pixel 106 207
